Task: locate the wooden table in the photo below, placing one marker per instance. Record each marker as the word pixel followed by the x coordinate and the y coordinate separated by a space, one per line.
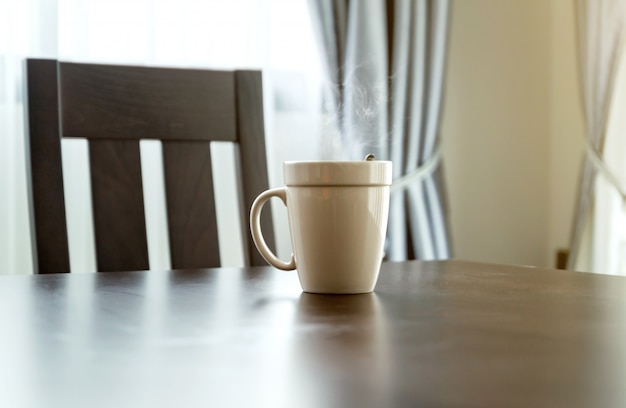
pixel 434 334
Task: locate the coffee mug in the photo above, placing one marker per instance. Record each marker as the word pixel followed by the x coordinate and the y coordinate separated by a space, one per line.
pixel 338 213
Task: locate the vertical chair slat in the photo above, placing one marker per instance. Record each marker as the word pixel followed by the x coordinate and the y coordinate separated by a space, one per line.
pixel 192 221
pixel 119 220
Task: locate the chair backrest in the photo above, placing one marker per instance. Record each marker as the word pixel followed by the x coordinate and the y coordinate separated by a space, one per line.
pixel 114 107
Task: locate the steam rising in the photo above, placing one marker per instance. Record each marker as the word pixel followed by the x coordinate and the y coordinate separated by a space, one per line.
pixel 354 118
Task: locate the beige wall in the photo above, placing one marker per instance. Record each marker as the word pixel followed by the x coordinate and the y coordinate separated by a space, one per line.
pixel 512 129
pixel 567 126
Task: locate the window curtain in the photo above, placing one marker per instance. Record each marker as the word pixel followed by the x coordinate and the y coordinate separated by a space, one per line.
pixel 384 64
pixel 597 243
pixel 272 35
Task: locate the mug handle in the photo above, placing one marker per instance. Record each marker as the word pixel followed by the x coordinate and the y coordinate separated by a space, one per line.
pixel 257 235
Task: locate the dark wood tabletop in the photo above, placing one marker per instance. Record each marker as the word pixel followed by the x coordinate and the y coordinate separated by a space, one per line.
pixel 433 334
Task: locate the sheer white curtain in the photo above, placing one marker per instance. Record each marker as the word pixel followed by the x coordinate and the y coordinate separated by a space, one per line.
pixel 607 243
pixel 598 240
pixel 272 35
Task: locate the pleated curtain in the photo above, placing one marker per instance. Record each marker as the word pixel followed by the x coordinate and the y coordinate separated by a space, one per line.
pixel 385 64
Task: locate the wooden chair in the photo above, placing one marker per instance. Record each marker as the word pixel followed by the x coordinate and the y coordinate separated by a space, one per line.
pixel 113 107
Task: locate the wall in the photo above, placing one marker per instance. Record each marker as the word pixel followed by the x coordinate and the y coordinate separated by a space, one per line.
pixel 567 126
pixel 511 128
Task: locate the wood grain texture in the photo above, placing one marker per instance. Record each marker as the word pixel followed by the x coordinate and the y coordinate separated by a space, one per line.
pixel 433 334
pixel 119 220
pixel 192 221
pixel 253 161
pixel 108 101
pixel 45 184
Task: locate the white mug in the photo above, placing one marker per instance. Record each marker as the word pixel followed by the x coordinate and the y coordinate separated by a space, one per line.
pixel 338 213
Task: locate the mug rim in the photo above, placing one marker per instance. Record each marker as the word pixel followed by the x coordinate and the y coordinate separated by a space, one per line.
pixel 338 173
pixel 370 162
